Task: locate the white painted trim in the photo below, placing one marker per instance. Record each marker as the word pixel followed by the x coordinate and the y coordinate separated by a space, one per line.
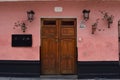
pixel 58 17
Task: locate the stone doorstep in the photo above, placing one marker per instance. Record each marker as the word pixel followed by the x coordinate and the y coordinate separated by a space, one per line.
pixel 58 77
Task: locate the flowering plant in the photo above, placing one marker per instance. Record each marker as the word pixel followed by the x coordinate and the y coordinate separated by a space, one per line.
pixel 94 26
pixel 107 17
pixel 21 24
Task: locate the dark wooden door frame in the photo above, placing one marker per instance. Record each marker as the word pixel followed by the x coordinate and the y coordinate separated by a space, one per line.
pixel 119 40
pixel 75 41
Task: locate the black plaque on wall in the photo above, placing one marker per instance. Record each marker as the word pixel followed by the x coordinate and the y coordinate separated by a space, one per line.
pixel 21 40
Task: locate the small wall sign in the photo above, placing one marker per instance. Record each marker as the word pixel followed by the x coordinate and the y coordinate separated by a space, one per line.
pixel 58 9
pixel 82 24
pixel 21 40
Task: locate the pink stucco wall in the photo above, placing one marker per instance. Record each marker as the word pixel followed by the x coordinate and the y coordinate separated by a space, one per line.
pixel 102 46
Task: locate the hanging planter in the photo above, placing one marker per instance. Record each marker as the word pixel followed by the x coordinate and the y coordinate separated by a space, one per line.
pixel 94 26
pixel 108 18
pixel 22 25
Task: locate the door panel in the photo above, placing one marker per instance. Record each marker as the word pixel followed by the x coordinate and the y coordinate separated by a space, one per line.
pixel 58 46
pixel 49 56
pixel 67 56
pixel 68 28
pixel 51 31
pixel 67 32
pixel 49 28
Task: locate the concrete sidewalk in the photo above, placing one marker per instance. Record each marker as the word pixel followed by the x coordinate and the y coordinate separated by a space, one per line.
pixel 19 78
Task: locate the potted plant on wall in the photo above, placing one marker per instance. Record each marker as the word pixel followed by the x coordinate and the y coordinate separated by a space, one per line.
pixel 94 26
pixel 22 26
pixel 107 17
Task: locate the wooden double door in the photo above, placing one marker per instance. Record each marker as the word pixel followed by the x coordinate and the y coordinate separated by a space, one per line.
pixel 58 46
